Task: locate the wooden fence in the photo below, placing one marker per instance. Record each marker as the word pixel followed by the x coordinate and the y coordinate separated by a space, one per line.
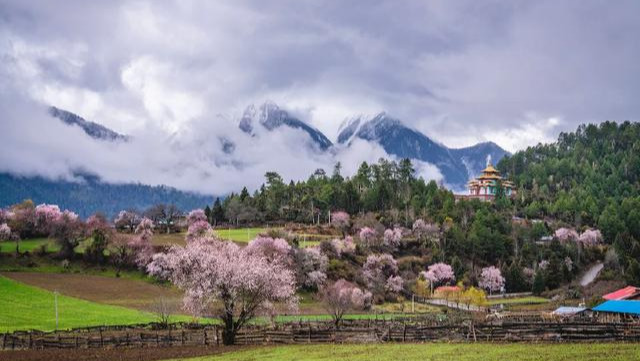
pixel 351 331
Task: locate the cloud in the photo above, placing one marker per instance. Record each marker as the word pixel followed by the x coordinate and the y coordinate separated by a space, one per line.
pixel 177 74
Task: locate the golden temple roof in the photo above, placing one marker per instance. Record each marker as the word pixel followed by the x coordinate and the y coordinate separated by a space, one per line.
pixel 490 169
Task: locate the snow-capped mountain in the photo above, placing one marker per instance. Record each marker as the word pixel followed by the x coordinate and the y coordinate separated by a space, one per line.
pixel 93 129
pixel 456 165
pixel 270 116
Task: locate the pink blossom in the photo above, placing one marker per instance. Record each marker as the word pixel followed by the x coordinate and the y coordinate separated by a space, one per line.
pixel 343 296
pixel 377 270
pixel 127 219
pixel 566 234
pixel 273 249
pixel 141 244
pixel 197 229
pixel 439 273
pixel 340 220
pixel 491 279
pixel 311 267
pixel 368 236
pixel 424 231
pixel 543 264
pixel 222 275
pixel 392 237
pixel 196 215
pixel 45 216
pixel 5 232
pixel 343 246
pixel 394 284
pixel 590 238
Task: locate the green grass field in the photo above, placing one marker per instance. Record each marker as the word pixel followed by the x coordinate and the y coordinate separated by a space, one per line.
pixel 436 352
pixel 24 307
pixel 29 245
pixel 239 234
pixel 519 300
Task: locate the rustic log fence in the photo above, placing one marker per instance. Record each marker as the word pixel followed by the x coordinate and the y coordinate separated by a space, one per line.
pixel 350 331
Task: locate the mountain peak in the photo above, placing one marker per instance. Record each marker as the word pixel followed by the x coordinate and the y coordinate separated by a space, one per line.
pixel 94 130
pixel 270 116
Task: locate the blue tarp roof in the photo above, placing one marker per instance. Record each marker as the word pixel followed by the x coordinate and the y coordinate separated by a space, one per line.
pixel 625 306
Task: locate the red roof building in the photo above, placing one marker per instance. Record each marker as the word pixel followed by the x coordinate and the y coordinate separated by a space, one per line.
pixel 627 293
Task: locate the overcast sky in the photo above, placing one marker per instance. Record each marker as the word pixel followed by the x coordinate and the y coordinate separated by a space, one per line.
pixel 513 72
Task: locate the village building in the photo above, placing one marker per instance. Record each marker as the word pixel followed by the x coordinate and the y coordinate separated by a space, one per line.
pixel 627 293
pixel 486 186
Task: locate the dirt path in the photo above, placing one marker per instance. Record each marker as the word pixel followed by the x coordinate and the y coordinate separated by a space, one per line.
pixel 109 290
pixel 140 354
pixel 591 274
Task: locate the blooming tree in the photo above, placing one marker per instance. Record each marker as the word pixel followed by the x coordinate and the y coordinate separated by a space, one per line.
pixel 343 246
pixel 5 232
pixel 127 220
pixel 438 274
pixel 235 283
pixel 368 236
pixel 273 249
pixel 343 296
pixel 424 231
pixel 68 231
pixel 197 229
pixel 377 271
pixel 394 284
pixel 491 279
pixel 566 234
pixel 341 220
pixel 45 216
pixel 100 231
pixel 590 238
pixel 392 237
pixel 311 267
pixel 542 265
pixel 196 215
pixel 141 243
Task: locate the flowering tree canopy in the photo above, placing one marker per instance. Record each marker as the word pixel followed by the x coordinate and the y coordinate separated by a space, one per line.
pixel 343 296
pixel 45 216
pixel 566 234
pixel 127 220
pixel 590 238
pixel 341 220
pixel 392 237
pixel 439 273
pixel 311 267
pixel 222 275
pixel 196 215
pixel 424 231
pixel 197 229
pixel 491 279
pixel 5 232
pixel 368 236
pixel 343 246
pixel 273 249
pixel 68 230
pixel 377 270
pixel 100 231
pixel 141 244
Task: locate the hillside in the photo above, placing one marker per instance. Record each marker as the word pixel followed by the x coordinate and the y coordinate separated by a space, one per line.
pixel 92 195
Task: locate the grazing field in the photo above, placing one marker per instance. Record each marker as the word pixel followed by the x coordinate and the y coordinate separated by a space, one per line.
pixel 243 235
pixel 436 352
pixel 24 307
pixel 29 245
pixel 107 290
pixel 167 239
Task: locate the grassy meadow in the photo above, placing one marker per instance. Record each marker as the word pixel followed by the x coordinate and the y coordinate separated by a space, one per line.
pixel 435 352
pixel 25 307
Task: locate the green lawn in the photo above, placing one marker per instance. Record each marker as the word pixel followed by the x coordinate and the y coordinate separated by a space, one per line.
pixel 239 234
pixel 24 307
pixel 519 300
pixel 29 245
pixel 435 352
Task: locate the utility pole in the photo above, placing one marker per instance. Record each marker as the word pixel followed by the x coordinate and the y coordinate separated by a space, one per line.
pixel 55 297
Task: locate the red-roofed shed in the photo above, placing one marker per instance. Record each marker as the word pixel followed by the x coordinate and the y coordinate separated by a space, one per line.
pixel 627 293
